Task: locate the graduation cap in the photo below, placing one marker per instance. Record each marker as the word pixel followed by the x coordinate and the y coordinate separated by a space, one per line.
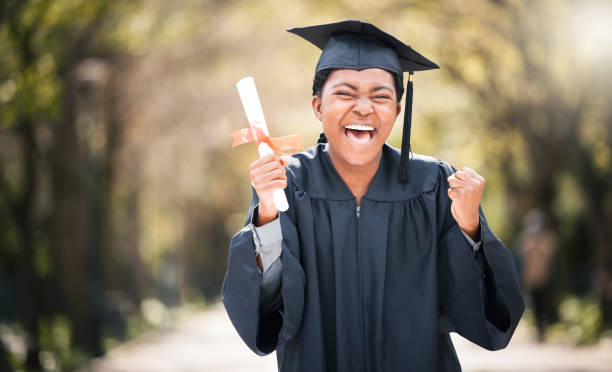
pixel 358 45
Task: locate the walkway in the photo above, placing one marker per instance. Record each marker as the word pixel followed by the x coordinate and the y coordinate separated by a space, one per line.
pixel 208 342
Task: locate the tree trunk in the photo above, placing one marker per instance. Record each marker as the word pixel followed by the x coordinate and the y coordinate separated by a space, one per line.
pixel 4 363
pixel 24 220
pixel 599 226
pixel 596 189
pixel 70 227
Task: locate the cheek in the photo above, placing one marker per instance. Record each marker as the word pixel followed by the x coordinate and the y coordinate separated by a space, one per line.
pixel 387 116
pixel 332 114
pixel 384 132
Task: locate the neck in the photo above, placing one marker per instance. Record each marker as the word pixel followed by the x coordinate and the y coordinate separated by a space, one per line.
pixel 356 177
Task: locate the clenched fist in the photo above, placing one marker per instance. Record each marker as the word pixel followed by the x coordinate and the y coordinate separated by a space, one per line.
pixel 466 187
pixel 268 174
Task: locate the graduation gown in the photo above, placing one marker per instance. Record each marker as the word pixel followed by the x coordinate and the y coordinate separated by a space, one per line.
pixel 376 287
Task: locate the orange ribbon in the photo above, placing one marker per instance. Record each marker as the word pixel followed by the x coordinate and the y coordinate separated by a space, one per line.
pixel 283 145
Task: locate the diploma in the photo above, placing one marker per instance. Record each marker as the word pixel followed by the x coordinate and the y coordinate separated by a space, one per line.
pixel 252 108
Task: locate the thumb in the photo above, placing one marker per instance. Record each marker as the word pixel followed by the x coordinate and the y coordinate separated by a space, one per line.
pixel 285 160
pixel 450 193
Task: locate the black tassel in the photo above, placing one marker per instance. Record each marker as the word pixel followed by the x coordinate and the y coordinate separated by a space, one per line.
pixel 322 138
pixel 406 154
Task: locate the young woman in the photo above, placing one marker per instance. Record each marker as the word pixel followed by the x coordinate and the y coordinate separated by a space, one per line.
pixel 382 252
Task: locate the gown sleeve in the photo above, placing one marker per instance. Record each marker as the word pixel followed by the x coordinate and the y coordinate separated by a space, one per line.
pixel 268 241
pixel 479 295
pixel 261 329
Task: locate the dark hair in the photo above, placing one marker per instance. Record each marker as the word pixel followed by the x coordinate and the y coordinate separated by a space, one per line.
pixel 321 77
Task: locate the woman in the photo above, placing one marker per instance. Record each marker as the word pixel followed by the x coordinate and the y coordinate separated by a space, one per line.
pixel 382 253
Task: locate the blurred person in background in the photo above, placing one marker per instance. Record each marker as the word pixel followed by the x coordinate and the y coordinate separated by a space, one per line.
pixel 538 252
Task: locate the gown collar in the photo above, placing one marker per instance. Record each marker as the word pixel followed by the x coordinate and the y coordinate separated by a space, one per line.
pixel 316 175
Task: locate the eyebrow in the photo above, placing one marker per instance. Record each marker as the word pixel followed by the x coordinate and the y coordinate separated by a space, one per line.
pixel 381 87
pixel 375 89
pixel 347 84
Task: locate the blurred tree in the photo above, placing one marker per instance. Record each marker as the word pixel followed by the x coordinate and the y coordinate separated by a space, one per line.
pixel 47 55
pixel 20 198
pixel 519 61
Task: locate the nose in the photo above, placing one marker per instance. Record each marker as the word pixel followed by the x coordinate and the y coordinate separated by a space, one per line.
pixel 363 106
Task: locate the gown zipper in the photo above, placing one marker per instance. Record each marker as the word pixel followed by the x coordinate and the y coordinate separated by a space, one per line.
pixel 359 267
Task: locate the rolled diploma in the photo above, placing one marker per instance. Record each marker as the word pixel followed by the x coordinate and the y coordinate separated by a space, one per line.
pixel 252 108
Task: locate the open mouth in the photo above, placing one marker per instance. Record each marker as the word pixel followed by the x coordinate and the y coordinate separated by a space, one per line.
pixel 360 134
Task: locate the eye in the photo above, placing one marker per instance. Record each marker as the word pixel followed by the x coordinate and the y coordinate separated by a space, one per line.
pixel 382 97
pixel 343 93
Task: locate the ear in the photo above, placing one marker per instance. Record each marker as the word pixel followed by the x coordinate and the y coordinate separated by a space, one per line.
pixel 316 107
pixel 399 109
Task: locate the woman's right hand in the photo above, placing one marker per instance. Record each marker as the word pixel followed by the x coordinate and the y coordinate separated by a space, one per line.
pixel 268 174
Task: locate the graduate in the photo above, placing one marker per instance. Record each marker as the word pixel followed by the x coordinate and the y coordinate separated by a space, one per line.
pixel 382 252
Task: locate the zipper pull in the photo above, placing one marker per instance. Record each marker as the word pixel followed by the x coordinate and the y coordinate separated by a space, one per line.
pixel 358 211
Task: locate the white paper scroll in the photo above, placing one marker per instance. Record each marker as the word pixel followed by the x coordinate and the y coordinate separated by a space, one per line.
pixel 252 108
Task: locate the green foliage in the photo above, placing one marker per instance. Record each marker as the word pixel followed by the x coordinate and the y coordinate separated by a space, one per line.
pixel 58 352
pixel 580 322
pixel 11 333
pixel 42 260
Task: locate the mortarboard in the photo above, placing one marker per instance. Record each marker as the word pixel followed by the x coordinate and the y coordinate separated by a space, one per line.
pixel 360 45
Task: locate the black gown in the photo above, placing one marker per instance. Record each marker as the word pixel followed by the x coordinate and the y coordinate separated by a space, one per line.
pixel 374 288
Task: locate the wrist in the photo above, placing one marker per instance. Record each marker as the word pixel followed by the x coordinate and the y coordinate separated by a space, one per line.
pixel 265 214
pixel 472 228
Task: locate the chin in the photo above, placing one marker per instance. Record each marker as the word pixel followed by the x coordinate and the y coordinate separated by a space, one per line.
pixel 359 158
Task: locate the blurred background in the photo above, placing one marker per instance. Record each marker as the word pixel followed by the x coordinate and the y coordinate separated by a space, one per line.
pixel 119 191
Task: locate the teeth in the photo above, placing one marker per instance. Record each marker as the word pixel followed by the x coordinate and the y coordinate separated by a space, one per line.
pixel 359 127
